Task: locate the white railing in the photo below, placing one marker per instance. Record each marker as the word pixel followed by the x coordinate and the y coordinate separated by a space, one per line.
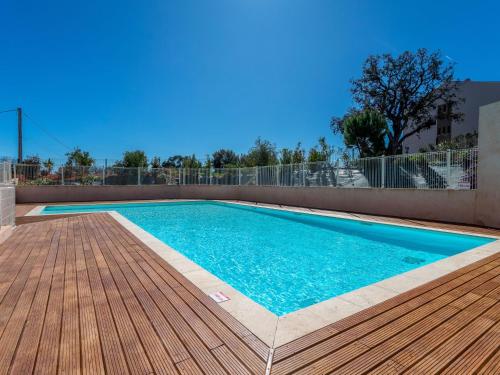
pixel 453 169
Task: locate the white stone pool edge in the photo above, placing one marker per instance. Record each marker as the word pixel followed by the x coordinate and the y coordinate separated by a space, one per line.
pixel 275 331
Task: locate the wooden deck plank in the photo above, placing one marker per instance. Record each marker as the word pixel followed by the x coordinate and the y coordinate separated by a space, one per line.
pixel 6 250
pixel 132 345
pixel 470 361
pixel 436 324
pixel 369 319
pixel 420 348
pixel 26 352
pixel 144 316
pixel 69 351
pixel 188 367
pixel 48 348
pixel 492 364
pixel 229 361
pixel 16 261
pixel 450 350
pixel 92 357
pixel 112 351
pixel 13 329
pixel 372 331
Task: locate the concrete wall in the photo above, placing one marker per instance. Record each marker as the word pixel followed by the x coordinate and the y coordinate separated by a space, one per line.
pixel 488 193
pixel 44 194
pixel 7 205
pixel 441 205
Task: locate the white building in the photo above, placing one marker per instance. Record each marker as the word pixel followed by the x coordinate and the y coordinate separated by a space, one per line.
pixel 476 94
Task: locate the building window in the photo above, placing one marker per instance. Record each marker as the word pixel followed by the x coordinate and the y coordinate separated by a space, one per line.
pixel 443 111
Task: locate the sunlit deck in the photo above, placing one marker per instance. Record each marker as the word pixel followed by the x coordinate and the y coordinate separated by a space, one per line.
pixel 82 294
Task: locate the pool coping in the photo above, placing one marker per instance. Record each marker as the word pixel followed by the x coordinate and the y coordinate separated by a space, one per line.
pixel 275 330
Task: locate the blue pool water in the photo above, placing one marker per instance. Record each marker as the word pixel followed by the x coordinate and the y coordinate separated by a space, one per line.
pixel 286 261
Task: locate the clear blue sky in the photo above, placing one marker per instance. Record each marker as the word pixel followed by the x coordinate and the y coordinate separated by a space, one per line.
pixel 185 76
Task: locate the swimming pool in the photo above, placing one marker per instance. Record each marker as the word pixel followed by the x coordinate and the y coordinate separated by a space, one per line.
pixel 286 261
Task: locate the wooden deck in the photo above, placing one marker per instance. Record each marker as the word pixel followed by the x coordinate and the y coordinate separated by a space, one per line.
pixel 451 325
pixel 83 295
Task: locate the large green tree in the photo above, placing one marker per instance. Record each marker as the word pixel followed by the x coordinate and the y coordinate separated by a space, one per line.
pixel 174 161
pixel 79 158
pixel 262 153
pixel 286 156
pixel 292 156
pixel 191 162
pixel 366 131
pixel 134 159
pixel 179 161
pixel 406 90
pixel 320 152
pixel 155 162
pixel 225 158
pixel 299 154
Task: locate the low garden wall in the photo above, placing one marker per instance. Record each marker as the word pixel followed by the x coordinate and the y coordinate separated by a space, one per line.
pixel 457 206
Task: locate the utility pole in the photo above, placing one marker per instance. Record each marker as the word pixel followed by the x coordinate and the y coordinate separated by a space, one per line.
pixel 19 135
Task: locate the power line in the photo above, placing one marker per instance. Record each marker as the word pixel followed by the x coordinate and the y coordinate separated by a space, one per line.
pixel 9 110
pixel 46 132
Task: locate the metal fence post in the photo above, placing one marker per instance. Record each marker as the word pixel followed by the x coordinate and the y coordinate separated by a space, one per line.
pixel 382 183
pixel 257 176
pixel 105 170
pixel 138 175
pixel 337 179
pixel 277 175
pixel 62 175
pixel 303 174
pixel 239 176
pixel 103 176
pixel 448 169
